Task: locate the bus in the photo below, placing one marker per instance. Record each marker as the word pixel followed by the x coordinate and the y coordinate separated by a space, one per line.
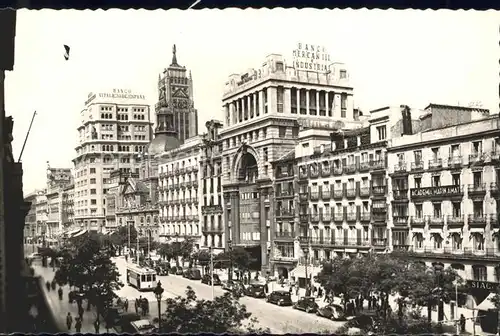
pixel 142 278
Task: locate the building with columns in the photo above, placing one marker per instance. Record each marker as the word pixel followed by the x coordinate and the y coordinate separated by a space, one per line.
pixel 59 181
pixel 264 110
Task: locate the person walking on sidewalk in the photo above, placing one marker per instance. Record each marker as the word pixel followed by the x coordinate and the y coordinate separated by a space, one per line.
pixel 78 325
pixel 125 305
pixel 97 324
pixel 80 312
pixel 69 321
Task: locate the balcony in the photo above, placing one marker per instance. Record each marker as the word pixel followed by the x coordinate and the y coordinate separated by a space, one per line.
pixel 211 208
pixel 303 196
pixel 304 218
pixel 379 190
pixel 303 173
pixel 338 194
pixel 284 235
pixel 364 192
pixel 325 171
pixel 189 184
pixel 454 220
pixel 495 156
pixel 285 193
pixel 313 171
pixel 453 253
pixel 435 164
pixel 455 161
pixel 400 194
pixel 351 193
pixel 314 218
pixel 477 158
pixel 364 167
pixel 212 229
pixel 182 171
pixel 337 171
pixel 314 196
pixel 284 213
pixel 417 166
pixel 440 192
pixel 477 220
pixel 379 242
pixel 195 184
pixel 349 169
pixel 326 217
pixel 417 221
pixel 401 167
pixel 477 189
pixel 378 216
pixel 400 220
pixel 352 217
pixel 326 194
pixel 338 216
pixel 365 217
pixel 436 221
pixel 342 242
pixel 377 164
pixel 494 190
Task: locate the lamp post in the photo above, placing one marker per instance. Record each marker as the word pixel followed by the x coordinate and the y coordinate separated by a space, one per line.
pixel 212 271
pixel 230 249
pixel 158 293
pixel 128 226
pixel 306 253
pixel 438 268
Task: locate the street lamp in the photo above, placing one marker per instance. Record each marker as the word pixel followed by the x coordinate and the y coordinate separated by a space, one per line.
pixel 158 292
pixel 306 252
pixel 438 268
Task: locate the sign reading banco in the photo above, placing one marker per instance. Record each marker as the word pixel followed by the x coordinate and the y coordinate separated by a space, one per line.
pixel 311 57
pixel 115 94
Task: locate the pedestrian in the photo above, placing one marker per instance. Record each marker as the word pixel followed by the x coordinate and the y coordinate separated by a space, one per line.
pixel 47 284
pixel 78 325
pixel 80 312
pixel 97 324
pixel 462 323
pixel 60 293
pixel 125 305
pixel 266 288
pixel 69 321
pixel 136 306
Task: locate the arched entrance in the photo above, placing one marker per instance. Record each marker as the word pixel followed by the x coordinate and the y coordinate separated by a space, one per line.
pixel 248 171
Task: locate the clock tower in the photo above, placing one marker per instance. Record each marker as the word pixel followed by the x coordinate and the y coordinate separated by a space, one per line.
pixel 175 110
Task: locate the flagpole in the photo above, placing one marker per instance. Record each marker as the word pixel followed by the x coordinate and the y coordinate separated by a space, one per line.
pixel 26 138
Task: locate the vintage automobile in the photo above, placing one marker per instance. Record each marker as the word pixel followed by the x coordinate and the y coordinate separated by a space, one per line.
pixel 256 291
pixel 207 279
pixel 307 304
pixel 280 298
pixel 332 311
pixel 179 271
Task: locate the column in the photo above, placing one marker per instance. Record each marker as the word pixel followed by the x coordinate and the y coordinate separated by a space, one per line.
pixel 326 103
pixel 261 102
pixel 307 101
pixel 336 105
pixel 272 99
pixel 263 230
pixel 350 107
pixel 317 102
pixel 287 101
pixel 235 220
pixel 232 113
pixel 298 101
pixel 254 96
pixel 247 109
pixel 240 109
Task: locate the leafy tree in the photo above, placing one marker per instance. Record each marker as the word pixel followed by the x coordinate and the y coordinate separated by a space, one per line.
pixel 123 233
pixel 166 251
pixel 202 258
pixel 223 314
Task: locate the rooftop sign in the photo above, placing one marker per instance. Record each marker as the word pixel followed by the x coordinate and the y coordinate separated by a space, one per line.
pixel 311 57
pixel 115 94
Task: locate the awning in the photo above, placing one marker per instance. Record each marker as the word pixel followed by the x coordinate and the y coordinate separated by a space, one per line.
pixel 72 232
pixel 454 230
pixel 82 232
pixel 487 303
pixel 476 230
pixel 417 230
pixel 300 271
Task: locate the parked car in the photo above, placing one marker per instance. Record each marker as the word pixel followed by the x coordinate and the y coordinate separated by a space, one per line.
pixel 280 297
pixel 256 291
pixel 332 311
pixel 207 279
pixel 123 322
pixel 161 270
pixel 179 271
pixel 307 304
pixel 194 274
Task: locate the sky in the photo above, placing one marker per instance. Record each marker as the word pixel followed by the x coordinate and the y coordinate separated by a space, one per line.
pixel 394 57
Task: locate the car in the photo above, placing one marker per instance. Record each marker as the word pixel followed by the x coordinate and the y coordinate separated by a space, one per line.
pixel 143 327
pixel 207 279
pixel 160 270
pixel 194 274
pixel 179 271
pixel 332 311
pixel 280 298
pixel 307 304
pixel 227 285
pixel 123 322
pixel 256 291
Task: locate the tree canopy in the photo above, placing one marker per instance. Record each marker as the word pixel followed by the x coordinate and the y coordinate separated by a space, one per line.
pixel 192 315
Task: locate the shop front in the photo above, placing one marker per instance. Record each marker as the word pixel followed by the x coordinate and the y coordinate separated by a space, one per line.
pixel 482 294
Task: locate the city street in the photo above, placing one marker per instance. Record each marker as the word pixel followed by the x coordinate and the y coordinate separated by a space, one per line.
pixel 277 319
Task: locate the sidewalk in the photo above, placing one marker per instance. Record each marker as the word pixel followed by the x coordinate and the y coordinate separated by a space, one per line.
pixel 61 308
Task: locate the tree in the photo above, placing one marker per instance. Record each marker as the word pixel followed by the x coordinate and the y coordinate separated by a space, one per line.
pixel 123 234
pixel 166 251
pixel 223 314
pixel 202 257
pixel 87 265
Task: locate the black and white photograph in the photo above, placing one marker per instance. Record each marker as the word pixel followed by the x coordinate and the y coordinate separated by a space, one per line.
pixel 250 171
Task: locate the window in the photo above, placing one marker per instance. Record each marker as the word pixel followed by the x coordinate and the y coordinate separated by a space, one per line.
pixel 382 132
pixel 435 154
pixel 265 154
pixel 479 272
pixel 279 66
pixel 437 240
pixel 281 131
pixel 92 170
pixel 436 210
pixel 436 181
pixel 418 211
pixel 343 106
pixel 455 178
pixel 478 209
pixel 478 179
pixel 456 241
pixel 476 148
pixel 455 151
pixel 343 74
pixel 478 241
pixel 417 156
pixel 418 182
pixel 457 211
pixel 92 191
pixel 419 240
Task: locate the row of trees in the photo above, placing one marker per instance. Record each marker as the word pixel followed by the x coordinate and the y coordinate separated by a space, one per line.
pixel 384 275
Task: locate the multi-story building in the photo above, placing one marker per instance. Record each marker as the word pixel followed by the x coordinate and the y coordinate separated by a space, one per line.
pixel 115 127
pixel 58 180
pixel 264 110
pixel 179 185
pixel 175 97
pixel 67 211
pixel 41 215
pixel 30 221
pixel 445 196
pixel 212 228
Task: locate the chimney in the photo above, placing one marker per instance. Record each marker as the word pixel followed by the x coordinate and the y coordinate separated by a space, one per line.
pixel 406 119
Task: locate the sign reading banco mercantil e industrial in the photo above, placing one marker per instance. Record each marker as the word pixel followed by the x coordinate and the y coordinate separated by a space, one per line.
pixel 115 94
pixel 311 57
